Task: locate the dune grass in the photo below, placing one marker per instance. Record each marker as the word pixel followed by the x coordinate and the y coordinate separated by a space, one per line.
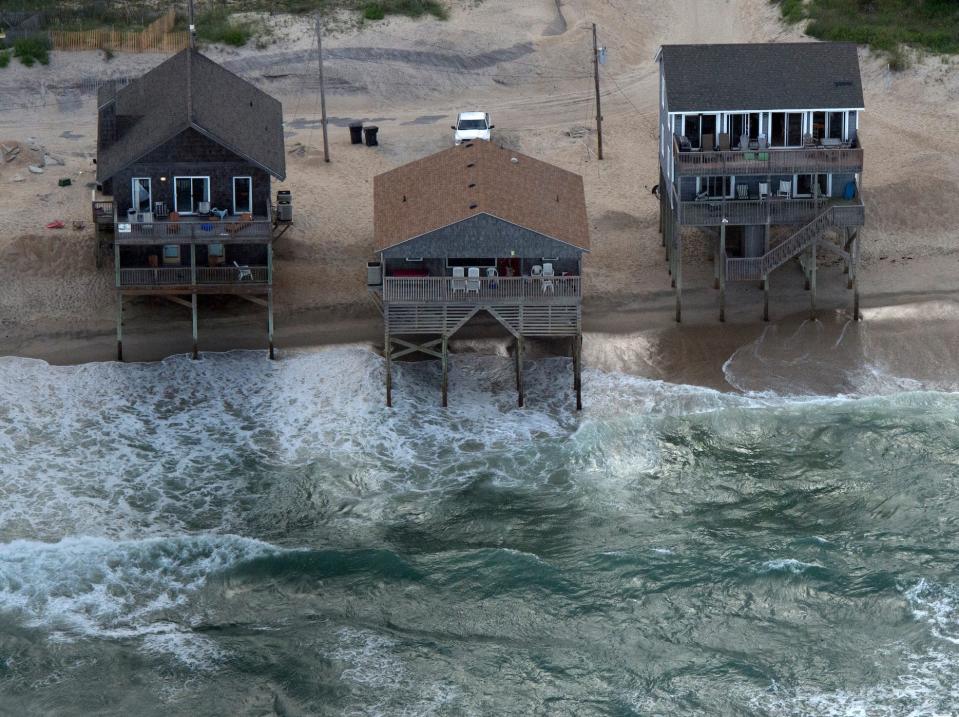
pixel 883 25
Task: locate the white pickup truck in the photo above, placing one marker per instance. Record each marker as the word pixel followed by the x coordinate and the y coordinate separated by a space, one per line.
pixel 471 125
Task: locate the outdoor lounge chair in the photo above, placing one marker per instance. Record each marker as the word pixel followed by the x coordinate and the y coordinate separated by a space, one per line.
pixel 785 189
pixel 548 274
pixel 492 275
pixel 742 191
pixel 459 279
pixel 709 142
pixel 473 280
pixel 764 190
pixel 723 141
pixel 243 272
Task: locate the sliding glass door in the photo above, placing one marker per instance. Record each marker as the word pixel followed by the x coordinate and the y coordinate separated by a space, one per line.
pixel 242 195
pixel 189 192
pixel 142 197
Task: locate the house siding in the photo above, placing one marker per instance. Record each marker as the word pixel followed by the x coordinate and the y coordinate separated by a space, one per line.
pixel 482 236
pixel 191 153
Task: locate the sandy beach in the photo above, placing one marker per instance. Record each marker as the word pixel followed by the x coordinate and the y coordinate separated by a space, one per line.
pixel 529 65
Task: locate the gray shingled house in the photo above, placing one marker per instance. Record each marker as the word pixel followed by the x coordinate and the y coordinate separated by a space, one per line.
pixel 474 229
pixel 188 152
pixel 759 150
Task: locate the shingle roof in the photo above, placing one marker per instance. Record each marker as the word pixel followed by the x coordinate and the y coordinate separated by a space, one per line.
pixel 190 90
pixel 474 178
pixel 763 76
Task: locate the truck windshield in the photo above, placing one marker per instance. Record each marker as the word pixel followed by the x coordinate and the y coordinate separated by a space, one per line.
pixel 472 124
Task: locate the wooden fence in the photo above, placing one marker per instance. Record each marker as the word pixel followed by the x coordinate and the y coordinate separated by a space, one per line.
pixel 158 36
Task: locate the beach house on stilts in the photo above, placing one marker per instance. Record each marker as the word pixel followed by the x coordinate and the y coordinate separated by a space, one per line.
pixel 759 149
pixel 187 153
pixel 478 229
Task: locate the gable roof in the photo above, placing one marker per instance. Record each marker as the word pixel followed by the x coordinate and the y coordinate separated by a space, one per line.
pixel 190 90
pixel 478 178
pixel 762 76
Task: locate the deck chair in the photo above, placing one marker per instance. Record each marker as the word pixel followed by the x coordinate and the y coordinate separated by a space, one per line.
pixel 723 141
pixel 146 222
pixel 492 275
pixel 459 279
pixel 742 191
pixel 473 280
pixel 785 189
pixel 243 272
pixel 536 270
pixel 709 142
pixel 764 190
pixel 548 286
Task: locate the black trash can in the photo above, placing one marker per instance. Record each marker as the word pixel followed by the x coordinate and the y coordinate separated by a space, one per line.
pixel 370 133
pixel 356 133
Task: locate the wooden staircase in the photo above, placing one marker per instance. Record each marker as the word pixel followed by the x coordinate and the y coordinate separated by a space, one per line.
pixel 757 268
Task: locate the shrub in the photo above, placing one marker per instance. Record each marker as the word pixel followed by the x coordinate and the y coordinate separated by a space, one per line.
pixel 379 9
pixel 374 11
pixel 32 49
pixel 217 26
pixel 4 58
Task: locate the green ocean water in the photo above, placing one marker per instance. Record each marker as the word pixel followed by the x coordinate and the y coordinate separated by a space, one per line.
pixel 235 536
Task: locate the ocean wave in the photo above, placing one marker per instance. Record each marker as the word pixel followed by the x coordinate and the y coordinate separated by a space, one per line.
pixel 93 588
pixel 928 683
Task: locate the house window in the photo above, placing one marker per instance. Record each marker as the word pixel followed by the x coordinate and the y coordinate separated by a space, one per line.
pixel 803 184
pixel 141 198
pixel 785 129
pixel 242 195
pixel 716 186
pixel 189 192
pixel 834 129
pixel 700 130
pixel 743 124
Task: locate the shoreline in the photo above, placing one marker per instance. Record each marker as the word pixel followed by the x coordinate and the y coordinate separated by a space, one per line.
pixel 638 336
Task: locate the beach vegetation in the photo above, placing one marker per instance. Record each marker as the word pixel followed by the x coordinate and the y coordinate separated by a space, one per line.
pixel 4 58
pixel 217 25
pixel 885 26
pixel 32 49
pixel 378 9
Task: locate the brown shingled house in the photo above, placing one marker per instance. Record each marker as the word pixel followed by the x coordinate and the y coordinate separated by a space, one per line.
pixel 478 228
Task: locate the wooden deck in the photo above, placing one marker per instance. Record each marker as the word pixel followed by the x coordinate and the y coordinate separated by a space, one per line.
pixel 775 210
pixel 182 276
pixel 799 160
pixel 196 230
pixel 517 291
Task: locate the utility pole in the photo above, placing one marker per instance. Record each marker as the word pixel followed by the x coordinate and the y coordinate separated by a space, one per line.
pixel 319 52
pixel 192 28
pixel 599 111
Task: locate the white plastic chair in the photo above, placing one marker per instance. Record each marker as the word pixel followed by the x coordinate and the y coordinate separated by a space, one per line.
pixel 548 270
pixel 243 272
pixel 785 189
pixel 459 279
pixel 536 269
pixel 764 190
pixel 473 280
pixel 492 275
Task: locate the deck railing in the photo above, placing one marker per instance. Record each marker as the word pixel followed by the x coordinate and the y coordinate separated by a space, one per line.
pixel 771 160
pixel 103 212
pixel 183 276
pixel 185 231
pixel 499 290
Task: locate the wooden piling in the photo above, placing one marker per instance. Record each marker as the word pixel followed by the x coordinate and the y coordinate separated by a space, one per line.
pixel 269 321
pixel 678 277
pixel 577 370
pixel 519 371
pixel 388 344
pixel 193 310
pixel 812 280
pixel 445 361
pixel 119 326
pixel 854 274
pixel 722 272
